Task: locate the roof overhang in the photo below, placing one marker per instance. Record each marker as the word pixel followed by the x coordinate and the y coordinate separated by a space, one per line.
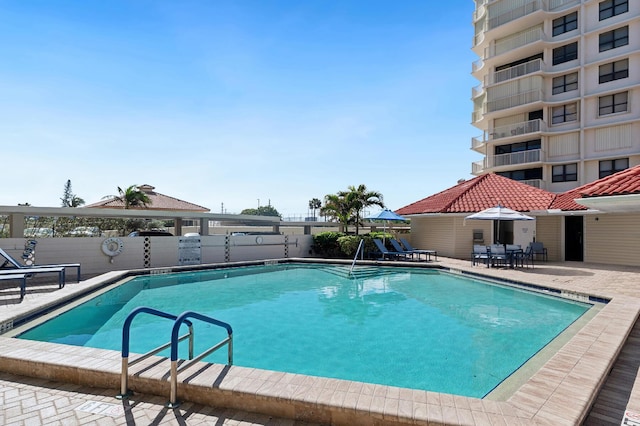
pixel 629 203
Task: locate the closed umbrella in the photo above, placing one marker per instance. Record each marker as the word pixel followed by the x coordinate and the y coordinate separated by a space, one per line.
pixel 498 213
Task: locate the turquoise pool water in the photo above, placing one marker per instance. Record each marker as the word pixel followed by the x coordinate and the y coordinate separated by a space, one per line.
pixel 420 329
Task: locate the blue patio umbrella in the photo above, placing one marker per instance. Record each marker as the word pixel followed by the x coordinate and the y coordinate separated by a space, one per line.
pixel 387 215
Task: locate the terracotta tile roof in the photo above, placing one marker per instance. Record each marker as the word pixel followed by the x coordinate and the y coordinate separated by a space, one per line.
pixel 622 183
pixel 481 193
pixel 158 202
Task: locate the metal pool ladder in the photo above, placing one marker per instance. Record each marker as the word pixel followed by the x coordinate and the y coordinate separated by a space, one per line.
pixel 173 344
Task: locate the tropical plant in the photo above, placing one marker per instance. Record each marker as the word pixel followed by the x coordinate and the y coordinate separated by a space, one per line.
pixel 360 198
pixel 131 197
pixel 314 204
pixel 336 206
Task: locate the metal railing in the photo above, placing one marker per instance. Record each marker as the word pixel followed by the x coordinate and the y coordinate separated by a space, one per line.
pixel 173 400
pixel 126 332
pixel 522 128
pixel 514 72
pixel 514 100
pixel 521 157
pixel 173 344
pixel 360 247
pixel 514 14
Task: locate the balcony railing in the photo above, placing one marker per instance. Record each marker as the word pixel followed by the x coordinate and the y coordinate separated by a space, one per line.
pixel 514 100
pixel 536 183
pixel 521 128
pixel 557 4
pixel 477 167
pixel 514 14
pixel 518 40
pixel 477 65
pixel 477 142
pixel 521 157
pixel 477 116
pixel 514 72
pixel 477 91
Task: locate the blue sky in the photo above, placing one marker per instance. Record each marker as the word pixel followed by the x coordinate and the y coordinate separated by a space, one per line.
pixel 235 101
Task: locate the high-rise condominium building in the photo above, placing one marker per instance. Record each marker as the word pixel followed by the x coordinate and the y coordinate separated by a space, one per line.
pixel 558 102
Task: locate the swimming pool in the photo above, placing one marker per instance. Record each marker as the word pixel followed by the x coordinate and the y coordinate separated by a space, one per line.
pixel 421 329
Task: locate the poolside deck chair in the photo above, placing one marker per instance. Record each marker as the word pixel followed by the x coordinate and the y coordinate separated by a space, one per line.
pixel 399 249
pixel 386 253
pixel 427 253
pixel 11 263
pixel 60 270
pixel 23 282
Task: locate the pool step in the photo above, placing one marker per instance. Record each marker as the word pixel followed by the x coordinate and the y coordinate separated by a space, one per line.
pixel 357 272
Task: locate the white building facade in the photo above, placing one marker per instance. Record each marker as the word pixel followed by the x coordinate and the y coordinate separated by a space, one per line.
pixel 558 102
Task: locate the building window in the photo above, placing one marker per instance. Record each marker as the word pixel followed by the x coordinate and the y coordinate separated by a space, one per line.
pixel 565 173
pixel 565 83
pixel 526 174
pixel 611 104
pixel 611 8
pixel 565 24
pixel 614 71
pixel 565 53
pixel 615 38
pixel 609 167
pixel 518 147
pixel 564 113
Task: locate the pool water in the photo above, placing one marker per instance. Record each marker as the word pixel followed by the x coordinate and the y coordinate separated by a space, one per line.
pixel 420 329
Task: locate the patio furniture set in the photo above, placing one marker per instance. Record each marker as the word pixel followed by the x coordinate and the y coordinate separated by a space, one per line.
pixel 508 255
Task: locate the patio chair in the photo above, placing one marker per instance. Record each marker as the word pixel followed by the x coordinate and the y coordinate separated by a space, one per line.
pixel 498 255
pixel 386 253
pixel 427 253
pixel 11 263
pixel 523 258
pixel 538 249
pixel 480 253
pixel 399 249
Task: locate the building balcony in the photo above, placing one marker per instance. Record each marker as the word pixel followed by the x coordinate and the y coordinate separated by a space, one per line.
pixel 536 183
pixel 555 5
pixel 516 41
pixel 477 167
pixel 514 72
pixel 514 158
pixel 513 14
pixel 478 143
pixel 514 100
pixel 477 66
pixel 477 91
pixel 522 128
pixel 480 9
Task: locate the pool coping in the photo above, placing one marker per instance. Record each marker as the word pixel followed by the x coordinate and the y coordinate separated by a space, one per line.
pixel 559 393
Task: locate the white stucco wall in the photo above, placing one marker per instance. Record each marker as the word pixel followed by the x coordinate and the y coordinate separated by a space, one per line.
pixel 163 251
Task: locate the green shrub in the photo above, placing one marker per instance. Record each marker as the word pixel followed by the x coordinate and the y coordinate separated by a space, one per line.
pixel 326 244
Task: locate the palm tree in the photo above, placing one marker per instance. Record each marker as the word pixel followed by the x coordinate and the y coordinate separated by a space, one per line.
pixel 337 207
pixel 360 198
pixel 314 204
pixel 131 197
